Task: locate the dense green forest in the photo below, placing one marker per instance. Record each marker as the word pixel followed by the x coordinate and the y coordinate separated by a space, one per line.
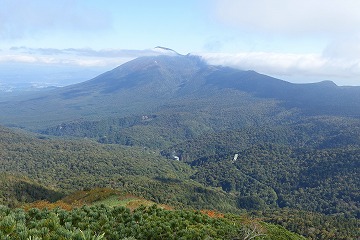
pixel 320 180
pixel 264 177
pixel 307 164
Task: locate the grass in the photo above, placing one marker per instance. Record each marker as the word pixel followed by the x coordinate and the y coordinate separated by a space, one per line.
pixel 97 196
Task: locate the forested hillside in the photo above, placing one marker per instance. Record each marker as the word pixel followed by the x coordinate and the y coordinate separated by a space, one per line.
pixel 320 180
pixel 296 164
pixel 70 165
pixel 259 179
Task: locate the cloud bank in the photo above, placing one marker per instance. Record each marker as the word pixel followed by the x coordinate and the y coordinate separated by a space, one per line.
pixel 334 25
pixel 85 57
pixel 292 67
pixel 330 65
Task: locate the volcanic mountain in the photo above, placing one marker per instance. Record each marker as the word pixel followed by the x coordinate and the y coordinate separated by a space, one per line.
pixel 174 81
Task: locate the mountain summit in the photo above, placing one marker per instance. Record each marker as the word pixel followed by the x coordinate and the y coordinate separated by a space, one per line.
pixel 166 51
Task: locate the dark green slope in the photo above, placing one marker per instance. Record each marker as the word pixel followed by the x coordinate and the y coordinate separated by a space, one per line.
pixel 324 181
pixel 176 122
pixel 67 165
pixel 17 189
pixel 308 133
pixel 312 164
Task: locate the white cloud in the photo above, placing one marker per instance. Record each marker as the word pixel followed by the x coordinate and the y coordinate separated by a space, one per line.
pixel 85 57
pixel 329 30
pixel 294 17
pixel 344 70
pixel 298 67
pixel 69 60
pixel 88 52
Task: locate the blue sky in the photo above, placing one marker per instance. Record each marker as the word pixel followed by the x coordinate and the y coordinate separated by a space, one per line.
pixel 298 41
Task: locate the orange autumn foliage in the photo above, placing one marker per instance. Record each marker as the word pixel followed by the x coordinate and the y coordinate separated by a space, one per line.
pixel 42 204
pixel 212 213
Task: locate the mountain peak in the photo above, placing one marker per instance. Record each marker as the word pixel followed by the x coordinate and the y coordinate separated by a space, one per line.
pixel 166 51
pixel 328 83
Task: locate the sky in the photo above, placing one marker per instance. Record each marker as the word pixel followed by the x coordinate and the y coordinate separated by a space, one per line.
pixel 68 41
